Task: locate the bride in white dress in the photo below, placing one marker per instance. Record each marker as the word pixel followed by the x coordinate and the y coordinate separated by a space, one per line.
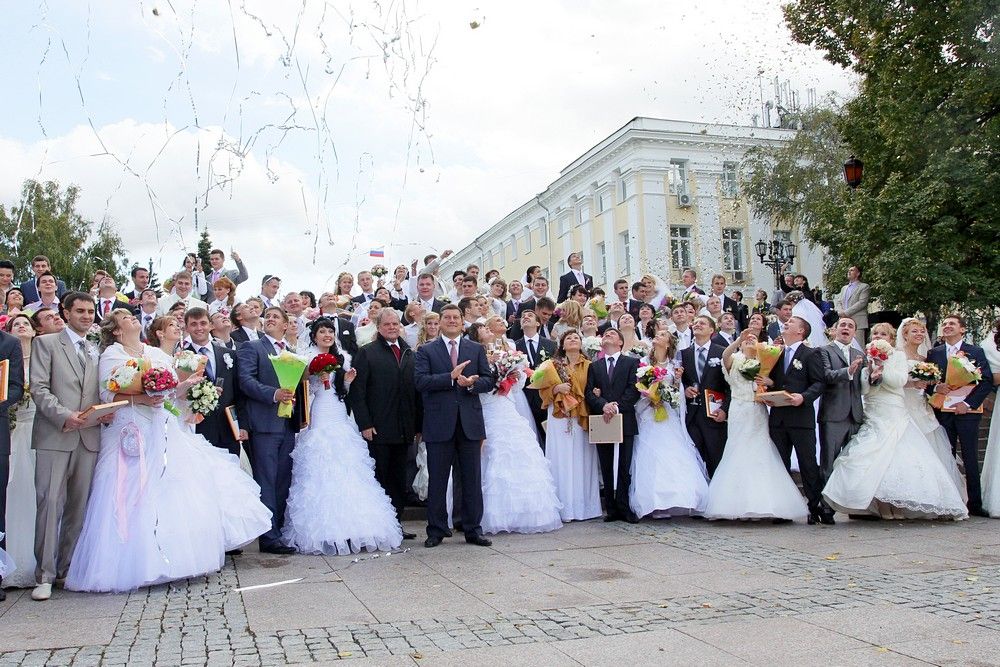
pixel 890 468
pixel 519 493
pixel 153 515
pixel 21 488
pixel 991 465
pixel 335 504
pixel 913 341
pixel 668 474
pixel 751 481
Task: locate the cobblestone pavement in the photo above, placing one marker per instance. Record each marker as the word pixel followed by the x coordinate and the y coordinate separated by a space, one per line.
pixel 857 593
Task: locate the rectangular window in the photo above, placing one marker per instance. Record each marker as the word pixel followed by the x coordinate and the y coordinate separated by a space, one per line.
pixel 583 214
pixel 680 248
pixel 562 266
pixel 627 187
pixel 501 258
pixel 677 177
pixel 732 253
pixel 602 265
pixel 513 247
pixel 527 240
pixel 729 185
pixel 543 232
pixel 624 259
pixel 603 202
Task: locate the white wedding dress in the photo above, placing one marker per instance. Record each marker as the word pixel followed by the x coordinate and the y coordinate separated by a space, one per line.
pixel 154 514
pixel 575 468
pixel 891 460
pixel 335 504
pixel 751 481
pixel 7 565
pixel 668 474
pixel 991 464
pixel 20 518
pixel 519 494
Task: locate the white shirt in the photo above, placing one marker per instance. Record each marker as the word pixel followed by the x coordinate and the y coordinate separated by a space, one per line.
pixel 197 348
pixel 76 338
pixel 275 341
pixel 845 350
pixel 580 277
pixel 790 351
pixel 954 349
pixel 251 333
pixel 610 357
pixel 684 338
pixel 163 307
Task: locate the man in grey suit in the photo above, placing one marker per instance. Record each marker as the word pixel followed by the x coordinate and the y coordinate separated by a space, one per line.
pixel 840 411
pixel 64 383
pixel 10 351
pixel 852 302
pixel 217 259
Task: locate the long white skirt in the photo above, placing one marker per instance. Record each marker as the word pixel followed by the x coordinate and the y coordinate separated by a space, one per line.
pixel 519 494
pixel 751 481
pixel 21 501
pixel 575 468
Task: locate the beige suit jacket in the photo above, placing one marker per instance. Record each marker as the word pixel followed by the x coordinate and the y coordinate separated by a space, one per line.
pixel 62 384
pixel 856 307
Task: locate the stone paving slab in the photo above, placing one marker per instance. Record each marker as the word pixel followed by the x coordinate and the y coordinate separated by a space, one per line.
pixel 666 592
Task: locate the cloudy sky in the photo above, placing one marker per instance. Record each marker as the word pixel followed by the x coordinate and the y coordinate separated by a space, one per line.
pixel 305 133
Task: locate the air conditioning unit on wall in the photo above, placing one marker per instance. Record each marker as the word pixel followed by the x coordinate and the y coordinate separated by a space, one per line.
pixel 684 200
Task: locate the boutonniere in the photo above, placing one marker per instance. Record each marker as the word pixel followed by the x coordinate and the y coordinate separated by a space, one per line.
pixel 228 360
pixel 542 354
pixel 796 364
pixel 714 362
pixel 444 299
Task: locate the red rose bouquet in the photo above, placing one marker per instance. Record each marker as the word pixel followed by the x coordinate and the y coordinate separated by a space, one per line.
pixel 158 381
pixel 324 363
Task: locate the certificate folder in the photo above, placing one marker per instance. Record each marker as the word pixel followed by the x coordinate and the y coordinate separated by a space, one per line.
pixel 95 412
pixel 775 398
pixel 610 432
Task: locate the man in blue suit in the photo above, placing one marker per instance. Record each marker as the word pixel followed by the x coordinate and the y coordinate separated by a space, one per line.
pixel 450 373
pixel 962 425
pixel 272 438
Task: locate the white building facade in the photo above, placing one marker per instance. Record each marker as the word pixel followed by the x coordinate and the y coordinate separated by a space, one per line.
pixel 657 196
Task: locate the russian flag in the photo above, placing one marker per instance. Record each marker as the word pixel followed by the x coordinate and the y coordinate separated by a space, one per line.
pixel 377 252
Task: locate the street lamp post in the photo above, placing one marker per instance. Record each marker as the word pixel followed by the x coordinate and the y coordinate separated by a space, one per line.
pixel 854 170
pixel 775 254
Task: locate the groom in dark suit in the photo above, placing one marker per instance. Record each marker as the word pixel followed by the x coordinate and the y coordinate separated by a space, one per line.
pixel 799 372
pixel 702 363
pixel 840 410
pixel 610 391
pixel 537 348
pixel 450 373
pixel 575 276
pixel 962 425
pixel 272 437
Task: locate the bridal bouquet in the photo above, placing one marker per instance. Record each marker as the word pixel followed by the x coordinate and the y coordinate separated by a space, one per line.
pixel 157 381
pixel 379 271
pixel 657 384
pixel 925 371
pixel 289 368
pixel 768 356
pixel 749 368
pixel 598 306
pixel 879 350
pixel 187 363
pixel 127 378
pixel 94 334
pixel 324 363
pixel 203 399
pixel 509 366
pixel 549 374
pixel 961 372
pixel 591 346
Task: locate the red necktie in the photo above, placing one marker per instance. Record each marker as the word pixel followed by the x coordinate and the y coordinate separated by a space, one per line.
pixel 395 350
pixel 107 306
pixel 454 352
pixel 280 344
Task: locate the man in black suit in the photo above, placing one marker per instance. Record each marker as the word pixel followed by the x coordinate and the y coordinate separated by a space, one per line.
pixel 611 391
pixel 140 281
pixel 575 276
pixel 543 309
pixel 367 284
pixel 107 299
pixel 691 290
pixel 29 288
pixel 962 425
pixel 783 311
pixel 539 290
pixel 702 363
pixel 799 372
pixel 220 369
pixel 719 290
pixel 383 399
pixel 537 348
pixel 346 339
pixel 637 299
pixel 426 284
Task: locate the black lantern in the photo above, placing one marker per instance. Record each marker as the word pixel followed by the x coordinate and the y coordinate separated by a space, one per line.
pixel 761 248
pixel 790 251
pixel 854 171
pixel 775 254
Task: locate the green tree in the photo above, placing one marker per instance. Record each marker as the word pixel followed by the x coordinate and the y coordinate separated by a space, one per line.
pixel 204 247
pixel 925 222
pixel 45 222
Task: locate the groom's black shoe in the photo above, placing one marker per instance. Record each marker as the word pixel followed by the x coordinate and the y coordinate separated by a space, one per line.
pixel 281 549
pixel 612 516
pixel 826 518
pixel 478 540
pixel 234 552
pixel 432 542
pixel 631 517
pixel 409 536
pixel 812 519
pixel 979 511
